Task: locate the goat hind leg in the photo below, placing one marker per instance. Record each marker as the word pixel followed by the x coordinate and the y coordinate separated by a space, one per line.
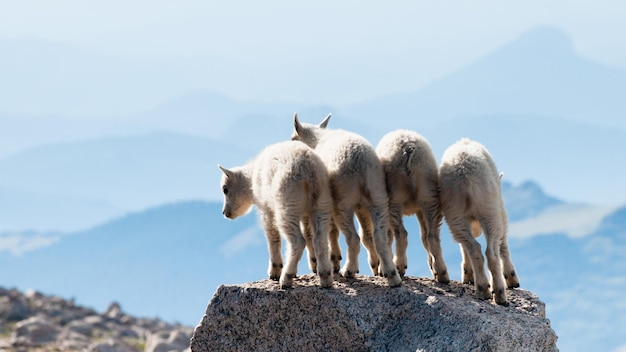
pixel 308 233
pixel 429 227
pixel 366 233
pixel 398 231
pixel 295 247
pixel 462 233
pixel 335 250
pixel 493 237
pixel 510 274
pixel 345 221
pixel 320 225
pixel 380 220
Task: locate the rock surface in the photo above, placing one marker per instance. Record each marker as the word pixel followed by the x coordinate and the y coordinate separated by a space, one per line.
pixel 364 314
pixel 36 322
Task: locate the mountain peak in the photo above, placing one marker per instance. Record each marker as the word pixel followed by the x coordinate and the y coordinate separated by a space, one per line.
pixel 526 200
pixel 545 39
pixel 534 51
pixel 614 224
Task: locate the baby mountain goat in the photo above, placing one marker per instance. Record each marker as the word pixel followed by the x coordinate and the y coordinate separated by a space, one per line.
pixel 357 183
pixel 288 183
pixel 413 185
pixel 471 202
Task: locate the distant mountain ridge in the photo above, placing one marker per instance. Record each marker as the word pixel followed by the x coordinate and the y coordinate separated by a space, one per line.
pixel 125 172
pixel 539 74
pixel 26 210
pixel 526 200
pixel 615 224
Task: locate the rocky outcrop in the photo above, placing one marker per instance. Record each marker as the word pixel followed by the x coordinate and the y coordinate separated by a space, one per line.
pixel 33 321
pixel 364 314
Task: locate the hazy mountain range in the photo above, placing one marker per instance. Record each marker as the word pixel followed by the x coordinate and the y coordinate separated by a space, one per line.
pixel 543 112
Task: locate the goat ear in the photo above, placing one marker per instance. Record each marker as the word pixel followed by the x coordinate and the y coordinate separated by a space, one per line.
pixel 226 172
pixel 324 123
pixel 296 123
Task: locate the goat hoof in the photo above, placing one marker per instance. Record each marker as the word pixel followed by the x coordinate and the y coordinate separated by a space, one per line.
pixel 482 292
pixel 394 280
pixel 326 283
pixel 512 281
pixel 347 273
pixel 499 296
pixel 401 272
pixel 443 277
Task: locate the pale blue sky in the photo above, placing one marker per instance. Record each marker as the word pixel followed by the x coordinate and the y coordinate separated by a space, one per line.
pixel 333 52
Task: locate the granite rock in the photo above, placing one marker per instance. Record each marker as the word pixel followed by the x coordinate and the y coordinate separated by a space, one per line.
pixel 364 314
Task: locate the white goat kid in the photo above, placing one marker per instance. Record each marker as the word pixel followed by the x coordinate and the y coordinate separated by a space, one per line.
pixel 412 179
pixel 357 183
pixel 471 201
pixel 288 183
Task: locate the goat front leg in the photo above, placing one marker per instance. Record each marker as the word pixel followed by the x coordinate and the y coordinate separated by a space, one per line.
pixel 273 245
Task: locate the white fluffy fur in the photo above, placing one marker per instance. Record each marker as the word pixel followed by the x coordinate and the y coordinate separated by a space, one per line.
pixel 289 184
pixel 357 184
pixel 471 201
pixel 413 185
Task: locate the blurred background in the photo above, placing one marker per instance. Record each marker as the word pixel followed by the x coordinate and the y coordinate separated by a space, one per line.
pixel 113 116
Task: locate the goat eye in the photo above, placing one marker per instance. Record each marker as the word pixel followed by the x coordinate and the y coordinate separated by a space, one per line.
pixel 225 190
